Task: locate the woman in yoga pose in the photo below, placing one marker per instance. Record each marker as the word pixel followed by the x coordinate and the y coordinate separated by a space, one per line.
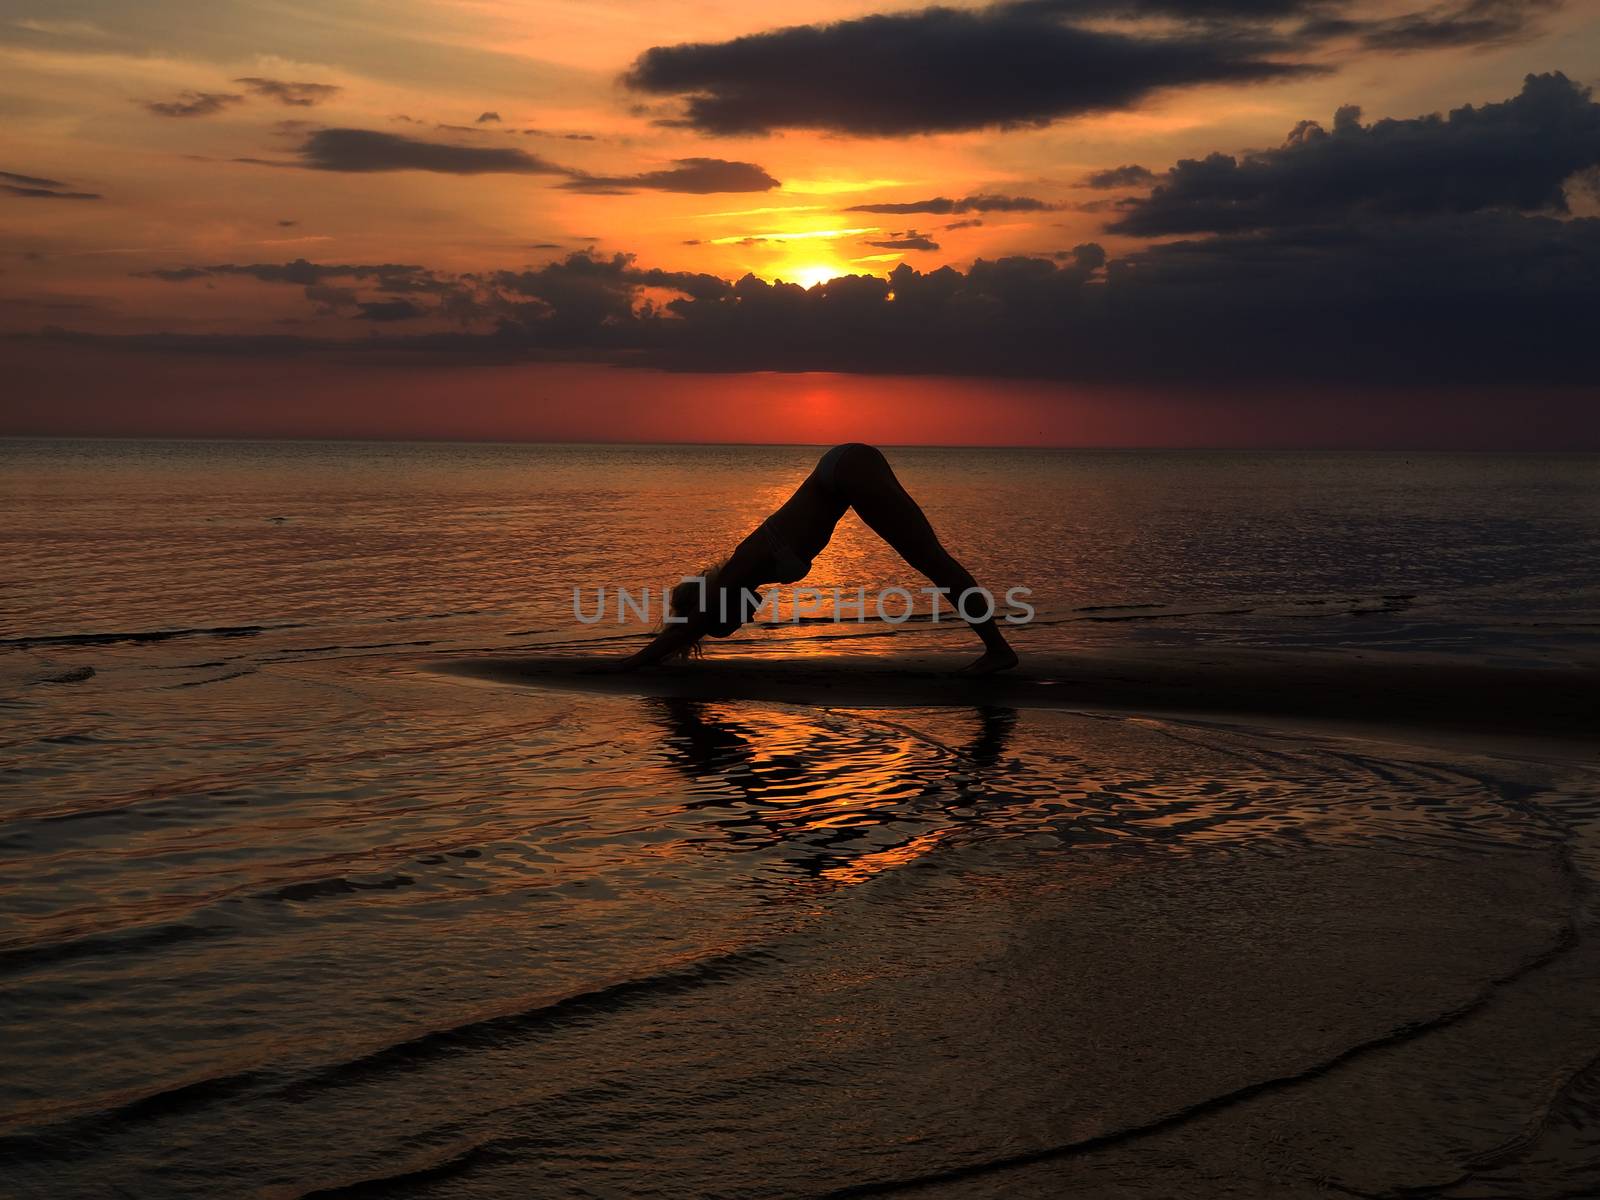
pixel 781 549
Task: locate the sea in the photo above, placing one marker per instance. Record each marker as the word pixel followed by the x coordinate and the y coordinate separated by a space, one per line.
pixel 286 911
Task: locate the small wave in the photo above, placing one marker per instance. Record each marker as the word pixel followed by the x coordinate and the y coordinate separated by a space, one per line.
pixel 145 635
pixel 26 957
pixel 439 616
pixel 316 889
pixel 492 1031
pixel 58 1138
pixel 288 650
pixel 1145 616
pixel 194 683
pixel 450 1164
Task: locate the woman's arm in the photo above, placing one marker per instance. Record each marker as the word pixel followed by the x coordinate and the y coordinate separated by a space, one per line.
pixel 741 566
pixel 666 643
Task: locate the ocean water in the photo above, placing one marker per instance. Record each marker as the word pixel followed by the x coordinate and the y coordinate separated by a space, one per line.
pixel 284 911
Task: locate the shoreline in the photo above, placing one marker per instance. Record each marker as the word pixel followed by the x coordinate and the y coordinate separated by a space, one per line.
pixel 1553 706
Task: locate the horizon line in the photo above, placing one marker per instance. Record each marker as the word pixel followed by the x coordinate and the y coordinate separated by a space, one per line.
pixel 371 440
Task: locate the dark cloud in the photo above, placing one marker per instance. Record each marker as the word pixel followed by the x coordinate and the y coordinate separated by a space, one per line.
pixel 36 181
pixel 392 282
pixel 1197 11
pixel 1090 256
pixel 193 104
pixel 1101 206
pixel 287 224
pixel 389 310
pixel 571 137
pixel 389 277
pixel 910 240
pixel 363 150
pixel 37 187
pixel 942 69
pixel 583 275
pixel 1478 23
pixel 46 193
pixel 331 299
pixel 174 274
pixel 697 176
pixel 944 206
pixel 294 94
pixel 1513 155
pixel 1481 296
pixel 1031 62
pixel 1129 176
pixel 485 118
pixel 970 223
pixel 1443 26
pixel 1448 23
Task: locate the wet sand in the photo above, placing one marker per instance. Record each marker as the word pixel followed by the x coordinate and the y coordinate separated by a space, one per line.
pixel 1555 705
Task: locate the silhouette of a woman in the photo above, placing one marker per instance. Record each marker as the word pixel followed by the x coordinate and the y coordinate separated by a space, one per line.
pixel 781 549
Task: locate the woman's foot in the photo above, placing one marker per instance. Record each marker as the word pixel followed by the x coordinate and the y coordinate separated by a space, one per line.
pixel 991 661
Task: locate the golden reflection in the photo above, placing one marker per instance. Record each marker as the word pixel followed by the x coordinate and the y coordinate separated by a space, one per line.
pixel 859 870
pixel 845 800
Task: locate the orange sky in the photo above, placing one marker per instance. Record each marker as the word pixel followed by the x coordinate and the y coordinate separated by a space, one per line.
pixel 80 77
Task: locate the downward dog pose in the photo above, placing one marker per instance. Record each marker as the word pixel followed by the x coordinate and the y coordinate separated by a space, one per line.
pixel 781 549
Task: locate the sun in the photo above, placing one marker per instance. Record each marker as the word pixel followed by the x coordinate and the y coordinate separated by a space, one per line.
pixel 809 276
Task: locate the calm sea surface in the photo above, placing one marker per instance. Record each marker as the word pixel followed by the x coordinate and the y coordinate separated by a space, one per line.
pixel 284 912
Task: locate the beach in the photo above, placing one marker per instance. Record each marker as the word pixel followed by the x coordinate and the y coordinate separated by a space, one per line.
pixel 331 869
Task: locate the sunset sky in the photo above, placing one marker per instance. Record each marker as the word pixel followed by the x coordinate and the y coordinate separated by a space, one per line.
pixel 1072 221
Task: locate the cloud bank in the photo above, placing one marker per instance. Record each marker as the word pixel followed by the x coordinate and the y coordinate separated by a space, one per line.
pixel 1515 156
pixel 1434 249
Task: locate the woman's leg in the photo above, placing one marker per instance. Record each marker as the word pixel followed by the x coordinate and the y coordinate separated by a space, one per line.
pixel 864 476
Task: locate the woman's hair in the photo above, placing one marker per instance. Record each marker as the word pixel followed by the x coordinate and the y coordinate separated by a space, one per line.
pixel 690 598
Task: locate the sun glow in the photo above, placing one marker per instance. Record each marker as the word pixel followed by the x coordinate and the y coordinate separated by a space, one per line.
pixel 812 274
